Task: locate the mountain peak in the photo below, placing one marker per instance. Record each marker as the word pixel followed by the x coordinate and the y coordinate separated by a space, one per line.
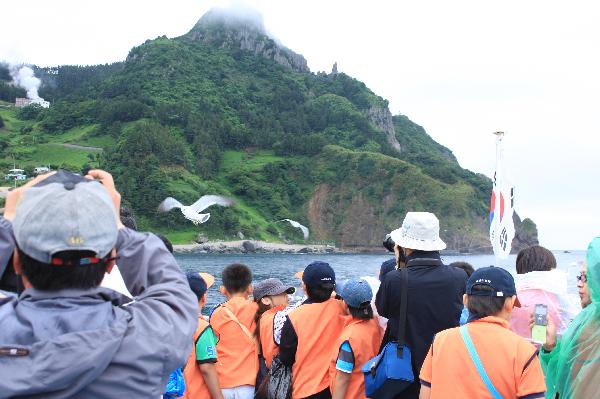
pixel 243 29
pixel 231 18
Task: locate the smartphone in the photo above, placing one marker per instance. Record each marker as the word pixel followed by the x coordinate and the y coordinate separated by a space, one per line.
pixel 538 333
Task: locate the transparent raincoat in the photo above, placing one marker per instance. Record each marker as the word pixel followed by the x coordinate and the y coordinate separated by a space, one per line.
pixel 549 288
pixel 573 368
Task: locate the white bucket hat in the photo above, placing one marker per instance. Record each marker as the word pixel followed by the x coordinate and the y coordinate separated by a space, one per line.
pixel 421 231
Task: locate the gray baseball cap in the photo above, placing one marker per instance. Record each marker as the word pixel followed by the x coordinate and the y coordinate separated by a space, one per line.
pixel 65 212
pixel 271 286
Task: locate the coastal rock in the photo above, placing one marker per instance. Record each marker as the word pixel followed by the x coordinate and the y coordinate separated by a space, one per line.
pixel 201 238
pixel 248 247
pixel 526 234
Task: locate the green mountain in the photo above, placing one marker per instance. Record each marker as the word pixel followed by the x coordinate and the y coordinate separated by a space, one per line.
pixel 227 109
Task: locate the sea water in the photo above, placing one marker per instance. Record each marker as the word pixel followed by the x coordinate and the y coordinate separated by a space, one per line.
pixel 285 266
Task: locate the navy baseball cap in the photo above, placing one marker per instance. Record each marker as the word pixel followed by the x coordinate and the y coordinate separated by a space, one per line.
pixel 199 283
pixel 356 292
pixel 500 280
pixel 318 273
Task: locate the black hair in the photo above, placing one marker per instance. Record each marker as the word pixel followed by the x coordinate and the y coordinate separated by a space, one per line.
pixel 9 280
pixel 535 258
pixel 401 256
pixel 319 293
pixel 47 277
pixel 465 266
pixel 236 278
pixel 362 312
pixel 127 218
pixel 483 306
pixel 165 241
pixel 262 308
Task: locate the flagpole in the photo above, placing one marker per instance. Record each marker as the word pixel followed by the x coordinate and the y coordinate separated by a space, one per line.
pixel 499 136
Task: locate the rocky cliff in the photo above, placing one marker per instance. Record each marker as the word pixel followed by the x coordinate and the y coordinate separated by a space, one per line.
pixel 247 32
pixel 381 118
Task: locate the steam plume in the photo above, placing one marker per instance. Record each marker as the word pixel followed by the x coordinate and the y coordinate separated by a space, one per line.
pixel 25 78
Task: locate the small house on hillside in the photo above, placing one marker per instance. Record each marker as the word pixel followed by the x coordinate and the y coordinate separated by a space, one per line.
pixel 15 174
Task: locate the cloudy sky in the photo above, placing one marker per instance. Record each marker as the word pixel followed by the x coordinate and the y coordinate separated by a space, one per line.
pixel 461 69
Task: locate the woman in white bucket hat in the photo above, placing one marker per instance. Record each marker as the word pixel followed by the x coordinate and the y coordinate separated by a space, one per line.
pixel 435 290
pixel 419 231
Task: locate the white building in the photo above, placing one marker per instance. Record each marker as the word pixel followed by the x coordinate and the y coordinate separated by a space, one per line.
pixel 23 102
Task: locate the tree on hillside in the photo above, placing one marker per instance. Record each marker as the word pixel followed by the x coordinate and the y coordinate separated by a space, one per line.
pixel 30 112
pixel 136 163
pixel 5 73
pixel 8 92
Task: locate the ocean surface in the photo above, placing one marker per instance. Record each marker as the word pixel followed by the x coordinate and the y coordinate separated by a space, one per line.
pixel 284 266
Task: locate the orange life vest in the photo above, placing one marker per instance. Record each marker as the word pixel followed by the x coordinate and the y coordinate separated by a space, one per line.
pixel 237 357
pixel 195 387
pixel 267 341
pixel 364 337
pixel 318 327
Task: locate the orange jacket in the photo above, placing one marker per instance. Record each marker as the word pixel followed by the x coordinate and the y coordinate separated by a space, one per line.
pixel 364 337
pixel 267 341
pixel 318 327
pixel 195 387
pixel 237 356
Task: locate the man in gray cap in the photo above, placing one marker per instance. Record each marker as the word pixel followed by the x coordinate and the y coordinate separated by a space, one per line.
pixel 64 336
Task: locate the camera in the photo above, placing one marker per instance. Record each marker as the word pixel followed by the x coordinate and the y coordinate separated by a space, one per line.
pixel 388 243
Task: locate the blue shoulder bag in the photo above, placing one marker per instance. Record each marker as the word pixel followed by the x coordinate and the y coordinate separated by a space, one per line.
pixel 390 372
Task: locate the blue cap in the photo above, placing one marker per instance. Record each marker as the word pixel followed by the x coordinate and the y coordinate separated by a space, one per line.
pixel 356 292
pixel 500 280
pixel 386 267
pixel 339 286
pixel 197 284
pixel 318 273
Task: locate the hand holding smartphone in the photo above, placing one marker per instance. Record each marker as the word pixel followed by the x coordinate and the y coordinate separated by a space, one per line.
pixel 540 324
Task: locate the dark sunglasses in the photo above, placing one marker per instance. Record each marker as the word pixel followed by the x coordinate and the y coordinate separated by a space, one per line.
pixel 582 277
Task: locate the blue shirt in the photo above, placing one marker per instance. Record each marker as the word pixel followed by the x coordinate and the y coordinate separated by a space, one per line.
pixel 464 316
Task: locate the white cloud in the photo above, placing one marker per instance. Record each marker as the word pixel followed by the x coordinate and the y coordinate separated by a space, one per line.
pixel 461 69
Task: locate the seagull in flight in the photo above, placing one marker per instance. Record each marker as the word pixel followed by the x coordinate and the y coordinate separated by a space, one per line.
pixel 192 212
pixel 297 225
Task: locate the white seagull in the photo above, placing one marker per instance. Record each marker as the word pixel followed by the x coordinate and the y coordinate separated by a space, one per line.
pixel 192 212
pixel 298 226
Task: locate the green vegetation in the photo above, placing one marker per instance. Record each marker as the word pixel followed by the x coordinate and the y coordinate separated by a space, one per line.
pixel 198 115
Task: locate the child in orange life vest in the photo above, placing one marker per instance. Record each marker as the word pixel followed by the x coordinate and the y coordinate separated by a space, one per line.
pixel 271 295
pixel 233 322
pixel 310 333
pixel 359 341
pixel 508 362
pixel 200 373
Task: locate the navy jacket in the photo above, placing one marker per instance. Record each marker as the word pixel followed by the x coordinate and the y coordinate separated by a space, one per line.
pixel 435 293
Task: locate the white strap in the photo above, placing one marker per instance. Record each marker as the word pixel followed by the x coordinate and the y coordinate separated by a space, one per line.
pixel 243 327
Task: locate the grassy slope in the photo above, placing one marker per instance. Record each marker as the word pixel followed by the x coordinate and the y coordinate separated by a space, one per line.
pixel 36 148
pixel 182 184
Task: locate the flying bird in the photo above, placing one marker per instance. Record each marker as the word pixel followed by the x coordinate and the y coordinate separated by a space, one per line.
pixel 192 212
pixel 297 225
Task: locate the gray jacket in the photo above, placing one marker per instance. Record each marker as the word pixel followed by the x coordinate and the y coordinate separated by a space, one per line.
pixel 94 343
